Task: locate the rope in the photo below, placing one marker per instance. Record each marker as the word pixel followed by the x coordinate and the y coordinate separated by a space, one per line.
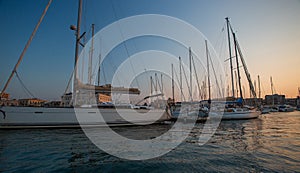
pixel 186 80
pixel 23 85
pixel 26 47
pixel 179 82
pixel 216 78
pixel 200 92
pixel 124 43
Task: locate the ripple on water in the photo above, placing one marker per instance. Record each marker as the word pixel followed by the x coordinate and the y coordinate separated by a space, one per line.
pixel 268 144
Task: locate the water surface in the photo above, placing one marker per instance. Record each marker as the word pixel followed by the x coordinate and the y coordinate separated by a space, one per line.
pixel 268 144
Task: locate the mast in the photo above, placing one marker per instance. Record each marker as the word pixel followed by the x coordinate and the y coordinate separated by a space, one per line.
pixel 173 94
pixel 151 85
pixel 197 79
pixel 208 75
pixel 77 37
pixel 191 84
pixel 230 56
pixel 99 70
pixel 161 80
pixel 246 70
pixel 180 77
pixel 255 89
pixel 91 56
pixel 236 82
pixel 259 91
pixel 237 65
pixel 156 82
pixel 25 48
pixel 272 90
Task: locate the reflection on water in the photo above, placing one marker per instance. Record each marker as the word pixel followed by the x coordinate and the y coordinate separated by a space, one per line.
pixel 270 143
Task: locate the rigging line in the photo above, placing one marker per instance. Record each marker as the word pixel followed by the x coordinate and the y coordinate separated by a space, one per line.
pixel 219 89
pixel 220 35
pixel 84 5
pixel 104 76
pixel 222 45
pixel 124 42
pixel 69 82
pixel 199 90
pixel 114 67
pixel 24 86
pixel 94 74
pixel 26 47
pixel 178 81
pixel 133 42
pixel 186 80
pixel 70 79
pixel 196 73
pixel 148 84
pixel 159 85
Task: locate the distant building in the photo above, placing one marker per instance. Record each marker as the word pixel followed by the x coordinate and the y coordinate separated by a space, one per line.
pixel 32 102
pixel 291 101
pixel 85 97
pixel 52 104
pixel 66 100
pixel 103 98
pixel 4 96
pixel 253 101
pixel 275 99
pixel 12 102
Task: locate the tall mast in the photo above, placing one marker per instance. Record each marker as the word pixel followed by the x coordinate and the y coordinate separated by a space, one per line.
pixel 230 56
pixel 208 75
pixel 78 37
pixel 191 84
pixel 180 76
pixel 259 91
pixel 272 90
pixel 151 81
pixel 99 70
pixel 91 56
pixel 173 94
pixel 25 48
pixel 255 89
pixel 156 81
pixel 236 82
pixel 77 33
pixel 237 66
pixel 162 86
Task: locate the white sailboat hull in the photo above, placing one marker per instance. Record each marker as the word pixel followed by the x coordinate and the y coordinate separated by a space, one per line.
pixel 239 115
pixel 31 117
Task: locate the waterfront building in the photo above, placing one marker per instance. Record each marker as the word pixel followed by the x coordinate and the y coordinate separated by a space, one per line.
pixel 275 99
pixel 52 104
pixel 12 102
pixel 32 102
pixel 4 96
pixel 291 101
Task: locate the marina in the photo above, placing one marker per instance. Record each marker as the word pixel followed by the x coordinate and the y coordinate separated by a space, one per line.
pixel 135 86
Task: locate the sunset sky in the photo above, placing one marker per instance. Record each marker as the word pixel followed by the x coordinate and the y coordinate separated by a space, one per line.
pixel 268 32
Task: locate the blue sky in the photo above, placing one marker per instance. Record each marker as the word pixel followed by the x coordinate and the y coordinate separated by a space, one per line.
pixel 268 30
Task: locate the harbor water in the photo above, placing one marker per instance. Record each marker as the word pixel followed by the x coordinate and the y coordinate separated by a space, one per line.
pixel 270 143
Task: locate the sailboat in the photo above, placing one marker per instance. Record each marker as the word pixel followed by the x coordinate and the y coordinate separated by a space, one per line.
pixel 73 116
pixel 236 109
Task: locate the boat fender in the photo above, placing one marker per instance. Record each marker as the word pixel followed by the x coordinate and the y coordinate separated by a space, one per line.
pixel 3 112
